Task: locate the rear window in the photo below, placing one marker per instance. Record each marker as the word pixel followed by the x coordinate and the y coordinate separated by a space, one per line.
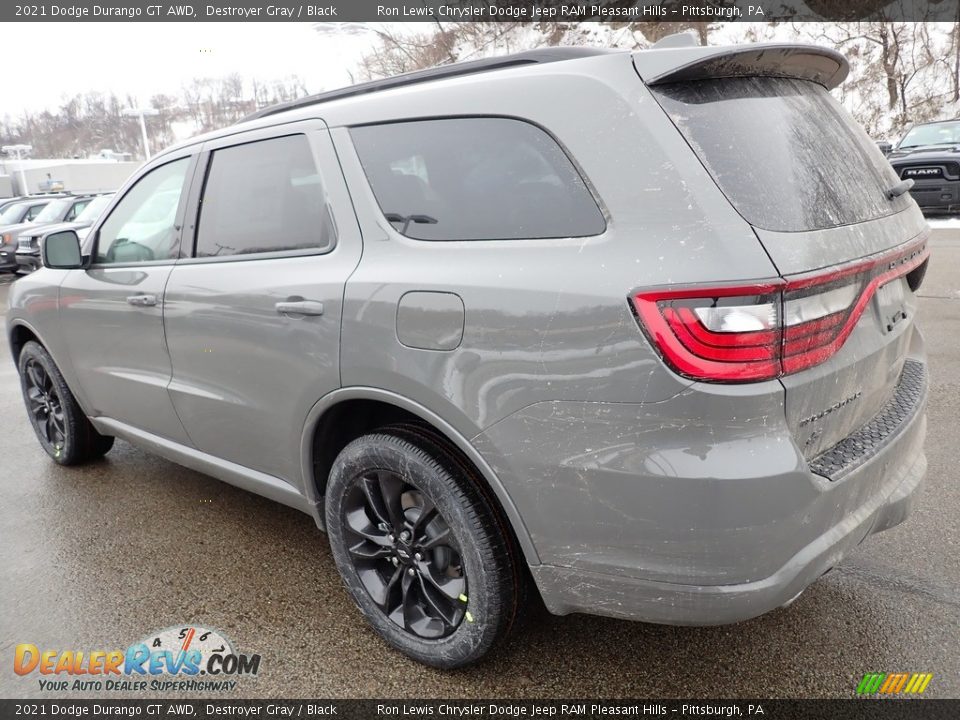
pixel 786 154
pixel 475 179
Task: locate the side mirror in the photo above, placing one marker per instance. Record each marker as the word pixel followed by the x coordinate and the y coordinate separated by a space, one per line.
pixel 885 147
pixel 62 251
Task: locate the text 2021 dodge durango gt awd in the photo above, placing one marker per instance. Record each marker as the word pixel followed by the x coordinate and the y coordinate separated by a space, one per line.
pixel 631 332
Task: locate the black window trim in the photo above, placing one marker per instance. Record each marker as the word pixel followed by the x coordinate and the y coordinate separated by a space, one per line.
pixel 588 183
pixel 195 205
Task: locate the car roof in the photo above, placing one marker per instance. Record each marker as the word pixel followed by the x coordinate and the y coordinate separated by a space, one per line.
pixel 352 105
pixel 471 67
pixel 31 201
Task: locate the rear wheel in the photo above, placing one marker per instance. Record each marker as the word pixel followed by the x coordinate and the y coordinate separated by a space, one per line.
pixel 420 550
pixel 61 427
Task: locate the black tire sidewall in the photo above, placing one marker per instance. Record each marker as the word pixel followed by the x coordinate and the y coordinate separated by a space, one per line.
pixel 470 640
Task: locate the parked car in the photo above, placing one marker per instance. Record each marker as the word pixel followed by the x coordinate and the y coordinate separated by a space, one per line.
pixel 28 243
pixel 929 155
pixel 14 218
pixel 632 331
pixel 7 202
pixel 38 197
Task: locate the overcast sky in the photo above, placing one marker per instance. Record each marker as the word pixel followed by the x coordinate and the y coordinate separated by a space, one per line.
pixel 59 60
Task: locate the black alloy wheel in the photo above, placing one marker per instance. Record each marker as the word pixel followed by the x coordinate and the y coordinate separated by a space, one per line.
pixel 63 430
pixel 45 406
pixel 405 554
pixel 422 547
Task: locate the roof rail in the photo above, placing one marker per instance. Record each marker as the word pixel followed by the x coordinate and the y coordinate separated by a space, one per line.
pixel 544 55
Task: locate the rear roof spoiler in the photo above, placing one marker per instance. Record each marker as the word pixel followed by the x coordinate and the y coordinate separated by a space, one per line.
pixel 804 62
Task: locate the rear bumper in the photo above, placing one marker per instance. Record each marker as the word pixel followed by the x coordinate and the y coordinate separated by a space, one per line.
pixel 941 197
pixel 566 590
pixel 656 513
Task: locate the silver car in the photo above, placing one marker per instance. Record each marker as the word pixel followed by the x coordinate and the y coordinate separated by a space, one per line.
pixel 633 333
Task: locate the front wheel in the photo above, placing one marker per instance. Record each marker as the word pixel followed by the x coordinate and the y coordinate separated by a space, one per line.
pixel 420 549
pixel 61 427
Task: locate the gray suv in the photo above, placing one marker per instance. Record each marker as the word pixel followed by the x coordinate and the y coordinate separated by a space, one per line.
pixel 633 333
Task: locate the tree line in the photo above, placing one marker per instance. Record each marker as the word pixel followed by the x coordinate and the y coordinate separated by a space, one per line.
pixel 87 123
pixel 901 72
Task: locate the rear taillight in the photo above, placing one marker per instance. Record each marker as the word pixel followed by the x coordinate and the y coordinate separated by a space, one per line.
pixel 760 331
pixel 816 321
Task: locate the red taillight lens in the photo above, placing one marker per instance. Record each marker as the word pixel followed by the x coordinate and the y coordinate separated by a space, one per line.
pixel 816 322
pixel 761 331
pixel 725 334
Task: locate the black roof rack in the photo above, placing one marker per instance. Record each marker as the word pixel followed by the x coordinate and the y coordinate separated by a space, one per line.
pixel 544 55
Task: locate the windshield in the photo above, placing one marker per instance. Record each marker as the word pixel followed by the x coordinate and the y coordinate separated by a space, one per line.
pixel 786 154
pixel 92 211
pixel 943 133
pixel 12 214
pixel 53 212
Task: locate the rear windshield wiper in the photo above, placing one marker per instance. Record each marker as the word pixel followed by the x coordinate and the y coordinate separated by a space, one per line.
pixel 407 219
pixel 899 189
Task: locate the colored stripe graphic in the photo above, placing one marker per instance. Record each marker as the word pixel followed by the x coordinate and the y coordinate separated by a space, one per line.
pixel 893 683
pixel 188 639
pixel 870 683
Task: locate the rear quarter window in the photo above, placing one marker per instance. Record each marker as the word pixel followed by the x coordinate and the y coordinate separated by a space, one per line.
pixel 785 153
pixel 475 179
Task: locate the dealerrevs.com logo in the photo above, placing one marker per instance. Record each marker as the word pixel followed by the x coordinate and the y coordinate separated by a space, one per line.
pixel 187 658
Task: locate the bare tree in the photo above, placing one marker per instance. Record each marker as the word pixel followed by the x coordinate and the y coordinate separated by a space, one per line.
pixel 85 124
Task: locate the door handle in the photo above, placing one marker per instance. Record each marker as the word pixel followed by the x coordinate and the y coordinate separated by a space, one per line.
pixel 300 307
pixel 142 300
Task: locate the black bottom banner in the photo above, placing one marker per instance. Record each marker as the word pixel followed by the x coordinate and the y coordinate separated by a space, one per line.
pixel 872 709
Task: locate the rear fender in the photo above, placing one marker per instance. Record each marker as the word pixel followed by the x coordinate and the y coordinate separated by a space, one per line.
pixel 316 500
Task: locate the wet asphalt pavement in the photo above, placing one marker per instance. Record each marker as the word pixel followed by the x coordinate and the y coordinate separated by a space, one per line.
pixel 100 556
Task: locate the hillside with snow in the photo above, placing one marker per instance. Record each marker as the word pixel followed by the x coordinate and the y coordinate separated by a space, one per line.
pixel 900 73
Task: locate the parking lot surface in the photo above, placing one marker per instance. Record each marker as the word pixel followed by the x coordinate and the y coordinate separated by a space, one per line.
pixel 99 557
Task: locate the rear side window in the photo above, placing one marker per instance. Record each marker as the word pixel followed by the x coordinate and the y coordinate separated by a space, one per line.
pixel 264 197
pixel 475 179
pixel 76 210
pixel 34 212
pixel 786 154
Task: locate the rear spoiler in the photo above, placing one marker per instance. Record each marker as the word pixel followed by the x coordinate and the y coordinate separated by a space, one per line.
pixel 804 62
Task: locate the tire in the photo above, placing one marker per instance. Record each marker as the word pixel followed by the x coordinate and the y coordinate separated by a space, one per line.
pixel 449 605
pixel 63 430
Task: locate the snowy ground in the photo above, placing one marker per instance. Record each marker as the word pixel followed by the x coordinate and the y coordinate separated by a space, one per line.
pixel 944 223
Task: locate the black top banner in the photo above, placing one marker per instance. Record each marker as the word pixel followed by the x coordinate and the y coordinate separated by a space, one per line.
pixel 484 10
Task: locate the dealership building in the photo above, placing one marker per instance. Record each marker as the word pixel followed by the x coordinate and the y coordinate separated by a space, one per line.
pixel 104 173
